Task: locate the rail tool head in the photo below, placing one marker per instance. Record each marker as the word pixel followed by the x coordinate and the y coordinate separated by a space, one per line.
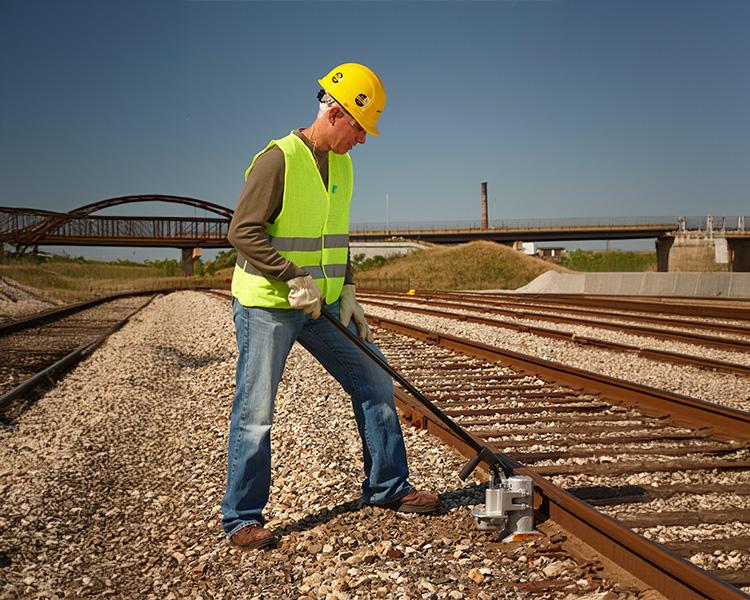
pixel 508 498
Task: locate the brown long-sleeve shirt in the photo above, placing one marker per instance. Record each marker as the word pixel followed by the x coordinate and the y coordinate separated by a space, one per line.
pixel 259 205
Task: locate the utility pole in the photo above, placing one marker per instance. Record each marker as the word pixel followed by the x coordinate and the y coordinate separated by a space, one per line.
pixel 484 205
pixel 387 202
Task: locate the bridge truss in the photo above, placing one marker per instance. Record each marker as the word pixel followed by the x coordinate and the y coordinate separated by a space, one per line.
pixel 26 228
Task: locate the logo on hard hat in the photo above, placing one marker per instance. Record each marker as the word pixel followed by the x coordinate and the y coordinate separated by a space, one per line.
pixel 361 100
pixel 337 77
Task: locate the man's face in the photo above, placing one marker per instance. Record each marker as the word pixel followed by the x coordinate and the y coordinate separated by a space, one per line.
pixel 346 132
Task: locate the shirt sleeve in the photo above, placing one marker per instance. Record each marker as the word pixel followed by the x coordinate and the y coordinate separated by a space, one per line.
pixel 259 204
pixel 349 277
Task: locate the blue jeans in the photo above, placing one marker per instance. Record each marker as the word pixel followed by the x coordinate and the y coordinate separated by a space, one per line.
pixel 264 338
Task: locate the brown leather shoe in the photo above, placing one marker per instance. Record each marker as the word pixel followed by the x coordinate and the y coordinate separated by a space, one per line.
pixel 416 502
pixel 252 537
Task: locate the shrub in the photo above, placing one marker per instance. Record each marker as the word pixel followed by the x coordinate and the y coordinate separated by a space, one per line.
pixel 360 263
pixel 608 261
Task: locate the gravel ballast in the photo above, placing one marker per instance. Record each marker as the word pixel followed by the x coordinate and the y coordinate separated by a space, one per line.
pixel 111 486
pixel 18 300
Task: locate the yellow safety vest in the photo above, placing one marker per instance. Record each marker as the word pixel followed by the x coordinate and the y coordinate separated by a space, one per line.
pixel 312 229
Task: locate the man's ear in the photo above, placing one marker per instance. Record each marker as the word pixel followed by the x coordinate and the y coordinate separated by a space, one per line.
pixel 333 114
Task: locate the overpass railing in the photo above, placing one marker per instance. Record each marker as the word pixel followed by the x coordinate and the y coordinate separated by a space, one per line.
pixel 12 221
pixel 512 224
pixel 713 223
pixel 15 226
pixel 158 228
pixel 730 223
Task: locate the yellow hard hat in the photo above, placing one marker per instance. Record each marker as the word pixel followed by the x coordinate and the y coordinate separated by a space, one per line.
pixel 359 91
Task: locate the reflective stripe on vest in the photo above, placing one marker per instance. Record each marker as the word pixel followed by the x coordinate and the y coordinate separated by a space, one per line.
pixel 311 230
pixel 314 271
pixel 336 240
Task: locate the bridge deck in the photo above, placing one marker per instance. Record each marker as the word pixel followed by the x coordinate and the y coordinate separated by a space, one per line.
pixel 29 227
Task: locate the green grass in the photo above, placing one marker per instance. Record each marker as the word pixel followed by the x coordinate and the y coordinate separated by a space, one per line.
pixel 78 280
pixel 609 261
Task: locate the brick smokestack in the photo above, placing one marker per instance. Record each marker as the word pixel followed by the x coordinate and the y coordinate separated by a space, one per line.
pixel 484 205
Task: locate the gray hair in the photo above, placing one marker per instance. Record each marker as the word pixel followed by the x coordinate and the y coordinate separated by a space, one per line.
pixel 326 103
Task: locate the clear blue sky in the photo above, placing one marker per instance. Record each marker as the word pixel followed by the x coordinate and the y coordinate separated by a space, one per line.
pixel 566 108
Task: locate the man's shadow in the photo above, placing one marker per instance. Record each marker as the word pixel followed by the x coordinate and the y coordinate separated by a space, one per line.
pixel 469 495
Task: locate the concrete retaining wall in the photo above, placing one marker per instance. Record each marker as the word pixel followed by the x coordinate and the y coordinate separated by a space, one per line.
pixel 711 285
pixel 386 249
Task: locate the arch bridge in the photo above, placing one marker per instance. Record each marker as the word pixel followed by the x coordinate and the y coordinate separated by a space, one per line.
pixel 26 228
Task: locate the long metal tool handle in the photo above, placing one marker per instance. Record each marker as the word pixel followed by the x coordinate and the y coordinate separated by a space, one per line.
pixel 483 452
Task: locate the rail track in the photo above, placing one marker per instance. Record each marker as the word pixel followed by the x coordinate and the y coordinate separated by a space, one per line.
pixel 37 349
pixel 716 308
pixel 613 462
pixel 473 310
pixel 594 434
pixel 736 328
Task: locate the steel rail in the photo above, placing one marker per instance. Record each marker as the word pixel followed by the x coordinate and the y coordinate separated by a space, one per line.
pixel 667 305
pixel 64 364
pixel 663 355
pixel 651 563
pixel 726 423
pixel 658 304
pixel 481 300
pixel 53 314
pixel 694 339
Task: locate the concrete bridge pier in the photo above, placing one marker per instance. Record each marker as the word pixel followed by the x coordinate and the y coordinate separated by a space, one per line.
pixel 702 251
pixel 739 254
pixel 189 256
pixel 663 246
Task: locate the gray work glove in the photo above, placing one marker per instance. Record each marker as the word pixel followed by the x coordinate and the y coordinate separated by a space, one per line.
pixel 305 294
pixel 348 308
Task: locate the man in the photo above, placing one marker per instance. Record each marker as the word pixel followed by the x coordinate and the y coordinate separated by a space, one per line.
pixel 291 232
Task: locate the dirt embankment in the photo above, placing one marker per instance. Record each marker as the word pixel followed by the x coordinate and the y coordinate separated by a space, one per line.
pixel 476 265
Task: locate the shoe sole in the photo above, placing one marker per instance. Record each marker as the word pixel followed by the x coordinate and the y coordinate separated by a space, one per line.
pixel 410 508
pixel 414 508
pixel 256 545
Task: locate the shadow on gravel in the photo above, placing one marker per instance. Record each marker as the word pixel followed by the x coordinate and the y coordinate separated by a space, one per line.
pixel 466 496
pixel 185 360
pixel 321 517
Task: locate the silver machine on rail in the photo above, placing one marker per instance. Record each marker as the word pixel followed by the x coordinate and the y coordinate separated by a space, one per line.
pixel 508 508
pixel 508 499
